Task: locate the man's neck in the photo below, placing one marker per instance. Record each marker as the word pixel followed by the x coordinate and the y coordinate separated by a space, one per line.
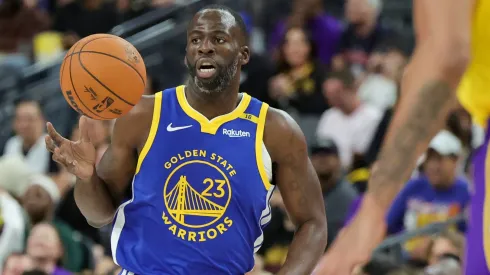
pixel 28 143
pixel 212 104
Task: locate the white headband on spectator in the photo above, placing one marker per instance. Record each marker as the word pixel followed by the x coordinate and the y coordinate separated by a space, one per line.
pixel 47 184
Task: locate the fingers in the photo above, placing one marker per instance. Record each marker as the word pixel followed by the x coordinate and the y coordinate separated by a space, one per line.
pixel 57 138
pixel 50 145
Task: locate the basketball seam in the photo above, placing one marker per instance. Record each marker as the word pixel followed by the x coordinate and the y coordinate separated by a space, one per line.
pixel 120 59
pixel 74 46
pixel 98 81
pixel 114 36
pixel 75 91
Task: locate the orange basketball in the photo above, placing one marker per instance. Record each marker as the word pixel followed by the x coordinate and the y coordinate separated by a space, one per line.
pixel 102 76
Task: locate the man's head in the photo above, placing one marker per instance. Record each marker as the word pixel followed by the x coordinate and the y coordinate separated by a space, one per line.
pixel 325 160
pixel 217 47
pixel 40 198
pixel 442 159
pixel 29 120
pixel 339 88
pixel 360 12
pixel 44 243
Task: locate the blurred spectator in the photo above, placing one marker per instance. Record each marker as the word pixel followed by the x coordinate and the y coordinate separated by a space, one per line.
pixel 445 243
pixel 379 87
pixel 85 17
pixel 12 229
pixel 39 201
pixel 20 21
pixel 363 35
pixel 349 123
pixel 309 14
pixel 297 86
pixel 16 264
pixel 45 248
pixel 338 194
pixel 40 198
pixel 29 139
pixel 384 99
pixel 435 196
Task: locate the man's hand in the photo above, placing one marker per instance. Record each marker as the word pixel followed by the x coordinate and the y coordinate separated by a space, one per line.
pixel 355 243
pixel 78 157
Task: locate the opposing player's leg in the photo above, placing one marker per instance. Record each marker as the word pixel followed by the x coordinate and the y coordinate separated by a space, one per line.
pixel 477 258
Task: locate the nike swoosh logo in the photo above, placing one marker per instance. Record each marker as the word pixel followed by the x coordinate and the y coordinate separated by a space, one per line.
pixel 173 129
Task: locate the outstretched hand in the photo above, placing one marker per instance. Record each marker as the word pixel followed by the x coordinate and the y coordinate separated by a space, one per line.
pixel 78 157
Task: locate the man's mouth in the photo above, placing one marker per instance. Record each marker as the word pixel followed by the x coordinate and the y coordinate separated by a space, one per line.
pixel 206 69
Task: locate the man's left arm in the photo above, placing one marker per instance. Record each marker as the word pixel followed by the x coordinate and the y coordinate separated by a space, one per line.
pixel 300 190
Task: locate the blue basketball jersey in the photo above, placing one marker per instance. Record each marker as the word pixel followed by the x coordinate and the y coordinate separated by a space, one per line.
pixel 200 192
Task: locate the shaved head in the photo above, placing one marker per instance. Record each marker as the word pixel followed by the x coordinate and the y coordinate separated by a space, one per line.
pixel 235 19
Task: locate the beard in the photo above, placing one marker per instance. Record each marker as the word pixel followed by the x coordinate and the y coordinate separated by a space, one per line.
pixel 218 83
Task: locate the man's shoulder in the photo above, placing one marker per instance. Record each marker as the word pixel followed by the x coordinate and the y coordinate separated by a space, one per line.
pixel 282 134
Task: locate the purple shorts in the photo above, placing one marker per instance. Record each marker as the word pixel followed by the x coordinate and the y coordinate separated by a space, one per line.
pixel 477 260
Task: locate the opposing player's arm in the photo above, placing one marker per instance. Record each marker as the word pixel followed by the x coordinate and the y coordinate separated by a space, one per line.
pixel 300 189
pixel 428 93
pixel 99 198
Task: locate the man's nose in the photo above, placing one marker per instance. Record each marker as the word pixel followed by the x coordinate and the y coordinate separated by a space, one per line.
pixel 207 47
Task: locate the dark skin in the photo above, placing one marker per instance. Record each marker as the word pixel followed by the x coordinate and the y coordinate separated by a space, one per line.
pixel 98 192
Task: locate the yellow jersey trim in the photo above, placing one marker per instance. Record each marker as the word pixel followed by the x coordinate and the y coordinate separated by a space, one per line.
pixel 250 117
pixel 153 130
pixel 361 174
pixel 486 210
pixel 259 139
pixel 211 126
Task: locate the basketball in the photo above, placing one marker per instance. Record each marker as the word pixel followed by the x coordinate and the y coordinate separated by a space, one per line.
pixel 102 76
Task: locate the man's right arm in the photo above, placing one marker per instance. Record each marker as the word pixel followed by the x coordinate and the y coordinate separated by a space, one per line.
pixel 99 197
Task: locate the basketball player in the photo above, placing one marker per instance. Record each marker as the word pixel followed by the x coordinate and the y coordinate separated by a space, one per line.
pixel 198 159
pixel 448 31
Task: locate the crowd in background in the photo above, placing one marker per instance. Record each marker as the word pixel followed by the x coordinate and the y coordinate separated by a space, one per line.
pixel 337 75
